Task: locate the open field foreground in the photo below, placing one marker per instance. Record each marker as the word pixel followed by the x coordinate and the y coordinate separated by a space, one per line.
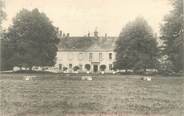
pixel 56 95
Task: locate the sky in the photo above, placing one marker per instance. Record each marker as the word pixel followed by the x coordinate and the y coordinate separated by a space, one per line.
pixel 78 17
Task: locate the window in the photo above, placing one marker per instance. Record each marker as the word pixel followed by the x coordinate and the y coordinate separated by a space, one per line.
pixel 110 56
pixel 100 56
pixel 60 66
pixel 110 66
pixel 70 65
pixel 80 57
pixel 90 56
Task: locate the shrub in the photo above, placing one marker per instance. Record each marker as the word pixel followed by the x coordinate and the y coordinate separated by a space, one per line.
pixel 102 67
pixel 88 67
pixel 166 68
pixel 76 68
pixel 65 68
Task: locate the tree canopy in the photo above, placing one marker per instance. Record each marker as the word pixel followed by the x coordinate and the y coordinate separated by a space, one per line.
pixel 136 46
pixel 2 13
pixel 172 35
pixel 5 50
pixel 35 39
pixel 6 53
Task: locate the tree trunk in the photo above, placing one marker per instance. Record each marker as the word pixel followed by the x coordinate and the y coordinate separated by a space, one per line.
pixel 20 68
pixel 145 71
pixel 30 68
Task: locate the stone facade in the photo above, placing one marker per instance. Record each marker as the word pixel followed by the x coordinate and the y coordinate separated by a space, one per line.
pixel 95 51
pixel 70 59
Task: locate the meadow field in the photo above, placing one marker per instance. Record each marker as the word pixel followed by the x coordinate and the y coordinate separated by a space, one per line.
pixel 108 95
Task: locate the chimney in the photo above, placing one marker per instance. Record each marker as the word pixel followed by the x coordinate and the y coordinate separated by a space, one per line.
pixel 105 35
pixel 88 34
pixel 63 34
pixel 96 33
pixel 68 35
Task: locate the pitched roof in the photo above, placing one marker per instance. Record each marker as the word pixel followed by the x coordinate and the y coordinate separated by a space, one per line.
pixel 87 44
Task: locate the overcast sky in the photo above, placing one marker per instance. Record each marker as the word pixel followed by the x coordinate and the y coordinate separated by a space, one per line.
pixel 77 17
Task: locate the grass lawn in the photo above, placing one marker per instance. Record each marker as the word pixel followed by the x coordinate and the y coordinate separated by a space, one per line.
pixel 58 95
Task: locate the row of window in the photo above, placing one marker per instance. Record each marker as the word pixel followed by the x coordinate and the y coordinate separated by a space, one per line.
pixel 100 56
pixel 81 56
pixel 81 66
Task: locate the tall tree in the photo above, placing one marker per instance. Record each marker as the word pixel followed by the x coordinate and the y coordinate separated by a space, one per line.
pixel 6 53
pixel 173 37
pixel 4 43
pixel 35 39
pixel 136 47
pixel 2 13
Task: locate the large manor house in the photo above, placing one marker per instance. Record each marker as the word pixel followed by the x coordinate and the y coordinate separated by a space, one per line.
pixel 93 50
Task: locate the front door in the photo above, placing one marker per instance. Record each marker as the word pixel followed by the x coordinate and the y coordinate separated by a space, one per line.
pixel 95 68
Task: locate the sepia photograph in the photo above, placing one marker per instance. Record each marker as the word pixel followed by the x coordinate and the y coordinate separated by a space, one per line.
pixel 91 57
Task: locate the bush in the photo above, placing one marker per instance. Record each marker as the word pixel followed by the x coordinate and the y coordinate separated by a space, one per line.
pixel 102 67
pixel 76 68
pixel 65 68
pixel 166 68
pixel 88 67
pixel 32 72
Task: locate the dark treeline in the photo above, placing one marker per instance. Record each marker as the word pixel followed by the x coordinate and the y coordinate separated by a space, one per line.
pixel 137 48
pixel 32 39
